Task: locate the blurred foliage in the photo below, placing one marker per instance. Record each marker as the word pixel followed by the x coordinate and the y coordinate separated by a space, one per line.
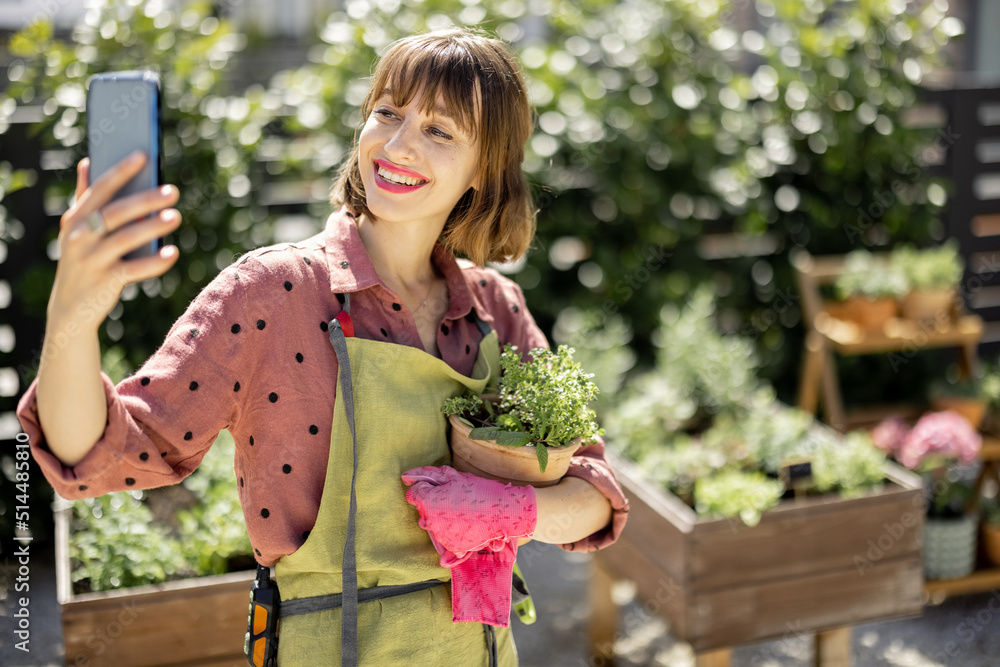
pixel 122 539
pixel 706 427
pixel 661 127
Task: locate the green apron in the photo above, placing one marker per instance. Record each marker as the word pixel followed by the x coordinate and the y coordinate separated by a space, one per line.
pixel 396 413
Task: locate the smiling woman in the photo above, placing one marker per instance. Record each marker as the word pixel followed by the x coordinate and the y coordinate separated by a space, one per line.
pixel 462 97
pixel 328 361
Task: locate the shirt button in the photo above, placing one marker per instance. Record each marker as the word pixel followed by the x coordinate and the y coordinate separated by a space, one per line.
pixel 344 264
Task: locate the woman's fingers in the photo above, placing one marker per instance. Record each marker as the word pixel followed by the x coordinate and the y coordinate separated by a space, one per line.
pixel 135 270
pixel 138 206
pixel 136 235
pixel 101 192
pixel 82 176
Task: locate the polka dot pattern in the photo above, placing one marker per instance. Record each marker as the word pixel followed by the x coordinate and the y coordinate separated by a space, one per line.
pixel 129 481
pixel 378 317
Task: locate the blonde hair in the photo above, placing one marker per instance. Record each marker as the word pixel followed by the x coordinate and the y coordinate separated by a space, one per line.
pixel 496 221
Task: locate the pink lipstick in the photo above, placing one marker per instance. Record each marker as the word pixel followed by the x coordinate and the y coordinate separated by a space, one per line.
pixel 389 186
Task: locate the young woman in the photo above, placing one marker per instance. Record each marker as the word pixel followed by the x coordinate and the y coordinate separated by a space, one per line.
pixel 328 361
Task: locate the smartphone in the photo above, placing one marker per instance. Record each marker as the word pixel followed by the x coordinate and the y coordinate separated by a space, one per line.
pixel 123 115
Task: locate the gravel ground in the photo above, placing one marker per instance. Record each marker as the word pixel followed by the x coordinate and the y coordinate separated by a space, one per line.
pixel 968 626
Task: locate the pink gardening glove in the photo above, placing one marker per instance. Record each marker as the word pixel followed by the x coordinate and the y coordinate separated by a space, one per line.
pixel 466 513
pixel 474 524
pixel 480 586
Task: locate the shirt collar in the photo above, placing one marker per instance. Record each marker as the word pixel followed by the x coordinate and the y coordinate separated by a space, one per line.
pixel 351 269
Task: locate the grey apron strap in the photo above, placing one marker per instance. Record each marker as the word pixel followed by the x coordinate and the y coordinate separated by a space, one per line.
pixel 349 614
pixel 335 600
pixel 349 597
pixel 484 328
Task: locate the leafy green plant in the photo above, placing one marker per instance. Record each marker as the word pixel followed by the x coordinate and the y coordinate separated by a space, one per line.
pixel 544 402
pixel 851 465
pixel 737 493
pixel 118 540
pixel 866 275
pixel 937 267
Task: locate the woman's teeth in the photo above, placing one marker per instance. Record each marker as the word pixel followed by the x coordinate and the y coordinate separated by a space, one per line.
pixel 398 178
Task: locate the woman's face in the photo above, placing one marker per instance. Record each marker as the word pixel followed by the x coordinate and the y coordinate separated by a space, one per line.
pixel 415 165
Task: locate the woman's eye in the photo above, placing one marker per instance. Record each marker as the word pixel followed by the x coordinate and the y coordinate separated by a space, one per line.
pixel 438 133
pixel 385 113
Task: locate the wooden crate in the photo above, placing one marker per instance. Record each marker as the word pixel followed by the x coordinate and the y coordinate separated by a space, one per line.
pixel 811 564
pixel 196 622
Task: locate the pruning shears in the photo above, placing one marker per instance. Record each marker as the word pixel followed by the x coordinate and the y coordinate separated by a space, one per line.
pixel 521 598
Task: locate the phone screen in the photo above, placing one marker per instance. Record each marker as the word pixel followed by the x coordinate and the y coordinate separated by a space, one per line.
pixel 123 115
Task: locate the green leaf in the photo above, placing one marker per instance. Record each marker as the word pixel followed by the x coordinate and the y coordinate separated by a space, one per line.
pixel 543 456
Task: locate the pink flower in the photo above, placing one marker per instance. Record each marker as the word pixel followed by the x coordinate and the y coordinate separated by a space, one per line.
pixel 890 433
pixel 946 434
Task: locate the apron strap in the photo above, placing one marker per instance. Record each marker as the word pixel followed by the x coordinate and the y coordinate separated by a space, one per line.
pixel 483 327
pixel 349 616
pixel 335 600
pixel 349 584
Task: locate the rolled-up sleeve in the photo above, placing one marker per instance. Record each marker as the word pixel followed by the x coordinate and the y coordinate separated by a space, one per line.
pixel 162 419
pixel 589 463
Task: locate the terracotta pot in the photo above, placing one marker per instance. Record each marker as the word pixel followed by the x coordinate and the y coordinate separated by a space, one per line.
pixel 517 465
pixel 991 541
pixel 973 409
pixel 867 313
pixel 925 305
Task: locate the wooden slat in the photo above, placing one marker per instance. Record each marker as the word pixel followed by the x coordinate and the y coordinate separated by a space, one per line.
pixel 833 648
pixel 819 539
pixel 771 610
pixel 986 225
pixel 983 580
pixel 898 335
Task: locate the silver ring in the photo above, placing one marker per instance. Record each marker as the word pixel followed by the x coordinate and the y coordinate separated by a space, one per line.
pixel 95 222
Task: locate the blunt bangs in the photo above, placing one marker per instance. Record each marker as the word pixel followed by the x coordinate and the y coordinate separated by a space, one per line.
pixel 441 72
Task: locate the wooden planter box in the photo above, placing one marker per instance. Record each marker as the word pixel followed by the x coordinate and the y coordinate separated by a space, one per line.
pixel 810 565
pixel 196 622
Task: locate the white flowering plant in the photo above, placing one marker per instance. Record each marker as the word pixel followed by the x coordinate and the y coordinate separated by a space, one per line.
pixel 544 402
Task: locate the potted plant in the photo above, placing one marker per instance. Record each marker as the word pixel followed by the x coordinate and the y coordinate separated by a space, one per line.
pixel 868 288
pixel 935 448
pixel 990 509
pixel 933 274
pixel 964 396
pixel 530 431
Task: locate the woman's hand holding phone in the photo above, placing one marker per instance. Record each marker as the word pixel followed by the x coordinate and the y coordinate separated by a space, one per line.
pixel 91 271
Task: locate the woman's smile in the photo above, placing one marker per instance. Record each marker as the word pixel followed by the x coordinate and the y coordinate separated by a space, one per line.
pixel 396 179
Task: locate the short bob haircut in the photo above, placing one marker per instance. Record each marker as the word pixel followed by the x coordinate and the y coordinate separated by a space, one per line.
pixel 496 222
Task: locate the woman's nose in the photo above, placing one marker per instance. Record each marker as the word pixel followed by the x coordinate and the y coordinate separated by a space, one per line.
pixel 401 143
